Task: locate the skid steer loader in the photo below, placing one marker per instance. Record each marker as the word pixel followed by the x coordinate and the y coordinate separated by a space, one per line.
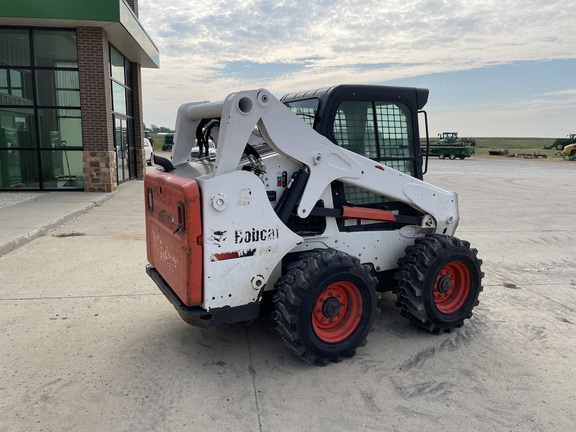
pixel 316 202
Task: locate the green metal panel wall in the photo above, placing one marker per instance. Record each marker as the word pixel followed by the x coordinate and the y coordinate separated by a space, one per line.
pixel 85 10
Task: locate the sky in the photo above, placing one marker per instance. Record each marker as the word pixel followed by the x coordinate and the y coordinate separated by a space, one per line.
pixel 494 68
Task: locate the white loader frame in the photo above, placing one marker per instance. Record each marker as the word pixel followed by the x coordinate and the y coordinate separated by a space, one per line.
pixel 238 220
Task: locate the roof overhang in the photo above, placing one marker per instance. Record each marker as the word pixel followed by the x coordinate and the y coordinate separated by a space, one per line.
pixel 124 29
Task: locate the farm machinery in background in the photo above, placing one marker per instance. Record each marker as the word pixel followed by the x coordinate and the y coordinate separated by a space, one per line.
pixel 506 152
pixel 566 147
pixel 451 147
pixel 560 143
pixel 568 153
pixel 451 138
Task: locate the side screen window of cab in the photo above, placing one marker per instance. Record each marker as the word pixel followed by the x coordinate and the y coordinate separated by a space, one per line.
pixel 378 130
pixel 305 109
pixel 381 131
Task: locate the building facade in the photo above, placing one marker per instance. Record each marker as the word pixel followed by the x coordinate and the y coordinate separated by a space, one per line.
pixel 70 94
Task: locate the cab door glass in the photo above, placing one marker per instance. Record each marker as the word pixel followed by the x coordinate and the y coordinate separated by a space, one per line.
pixel 381 131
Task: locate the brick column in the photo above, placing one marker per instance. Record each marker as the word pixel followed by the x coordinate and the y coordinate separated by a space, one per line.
pixel 96 103
pixel 138 120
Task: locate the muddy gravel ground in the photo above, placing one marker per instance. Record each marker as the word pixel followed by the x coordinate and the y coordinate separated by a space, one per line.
pixel 89 344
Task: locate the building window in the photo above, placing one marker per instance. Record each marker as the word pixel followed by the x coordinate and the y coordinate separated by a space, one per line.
pixel 54 46
pixel 58 87
pixel 18 160
pixel 119 98
pixel 14 47
pixel 122 115
pixel 40 117
pixel 15 87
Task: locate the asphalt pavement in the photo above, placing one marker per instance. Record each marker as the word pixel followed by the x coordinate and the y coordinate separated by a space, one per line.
pixel 88 343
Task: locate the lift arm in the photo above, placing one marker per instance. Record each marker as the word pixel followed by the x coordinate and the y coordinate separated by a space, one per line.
pixel 326 162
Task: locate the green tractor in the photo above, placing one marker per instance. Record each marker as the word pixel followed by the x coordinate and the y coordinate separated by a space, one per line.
pixel 450 146
pixel 451 138
pixel 560 143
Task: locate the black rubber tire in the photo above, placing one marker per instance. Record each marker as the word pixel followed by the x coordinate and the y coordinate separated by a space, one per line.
pixel 559 146
pixel 420 276
pixel 452 156
pixel 462 157
pixel 573 153
pixel 441 156
pixel 305 284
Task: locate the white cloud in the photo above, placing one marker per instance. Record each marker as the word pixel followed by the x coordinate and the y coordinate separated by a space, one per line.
pixel 336 41
pixel 567 93
pixel 545 115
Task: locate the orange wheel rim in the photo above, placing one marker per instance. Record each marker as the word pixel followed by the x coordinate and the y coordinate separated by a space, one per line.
pixel 452 287
pixel 337 312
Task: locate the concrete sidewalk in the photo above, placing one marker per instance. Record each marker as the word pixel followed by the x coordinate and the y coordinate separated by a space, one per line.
pixel 27 220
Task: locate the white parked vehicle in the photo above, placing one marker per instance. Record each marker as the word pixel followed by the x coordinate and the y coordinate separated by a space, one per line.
pixel 196 150
pixel 149 151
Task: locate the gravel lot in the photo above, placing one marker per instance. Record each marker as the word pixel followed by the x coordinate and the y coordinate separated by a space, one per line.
pixel 89 343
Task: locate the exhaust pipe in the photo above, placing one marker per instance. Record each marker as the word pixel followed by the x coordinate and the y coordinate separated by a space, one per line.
pixel 166 164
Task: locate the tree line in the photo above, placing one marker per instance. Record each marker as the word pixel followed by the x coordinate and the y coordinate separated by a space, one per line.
pixel 157 129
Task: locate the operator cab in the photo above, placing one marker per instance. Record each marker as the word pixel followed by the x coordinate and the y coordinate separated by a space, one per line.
pixel 377 122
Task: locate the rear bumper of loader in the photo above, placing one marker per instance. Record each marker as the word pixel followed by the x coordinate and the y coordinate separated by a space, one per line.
pixel 199 317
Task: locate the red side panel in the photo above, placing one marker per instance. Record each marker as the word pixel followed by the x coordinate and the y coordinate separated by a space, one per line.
pixel 174 233
pixel 368 213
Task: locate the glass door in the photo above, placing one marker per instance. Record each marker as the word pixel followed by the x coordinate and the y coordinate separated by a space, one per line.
pixel 122 146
